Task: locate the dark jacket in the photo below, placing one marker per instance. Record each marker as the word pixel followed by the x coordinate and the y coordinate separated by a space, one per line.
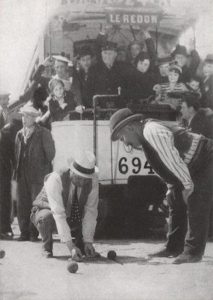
pixel 41 152
pixel 56 112
pixel 86 85
pixel 7 147
pixel 143 84
pixel 202 122
pixel 107 81
pixel 189 71
pixel 207 90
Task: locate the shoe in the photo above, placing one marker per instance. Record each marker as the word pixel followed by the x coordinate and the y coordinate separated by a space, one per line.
pixel 187 258
pixel 23 238
pixel 34 239
pixel 6 236
pixel 47 254
pixel 164 253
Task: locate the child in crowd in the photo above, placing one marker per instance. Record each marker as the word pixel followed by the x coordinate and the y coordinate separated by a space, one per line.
pixel 59 103
pixel 173 86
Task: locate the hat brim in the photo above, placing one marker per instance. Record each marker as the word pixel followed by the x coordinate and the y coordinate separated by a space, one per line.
pixel 73 169
pixel 120 125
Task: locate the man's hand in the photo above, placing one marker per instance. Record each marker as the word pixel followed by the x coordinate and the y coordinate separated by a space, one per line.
pixel 75 252
pixel 89 250
pixel 80 109
pixel 187 193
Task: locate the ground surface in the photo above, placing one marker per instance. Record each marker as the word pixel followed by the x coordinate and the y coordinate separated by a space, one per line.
pixel 26 275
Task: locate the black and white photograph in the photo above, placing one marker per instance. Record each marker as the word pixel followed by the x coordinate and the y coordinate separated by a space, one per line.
pixel 106 150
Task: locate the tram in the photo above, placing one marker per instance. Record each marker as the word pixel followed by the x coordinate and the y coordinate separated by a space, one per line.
pixel 121 173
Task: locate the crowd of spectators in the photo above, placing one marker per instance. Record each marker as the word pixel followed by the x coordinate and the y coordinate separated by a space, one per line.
pixel 137 76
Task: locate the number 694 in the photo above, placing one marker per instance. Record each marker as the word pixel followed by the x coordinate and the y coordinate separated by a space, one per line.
pixel 135 166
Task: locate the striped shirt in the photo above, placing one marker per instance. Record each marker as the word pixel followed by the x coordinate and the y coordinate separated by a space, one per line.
pixel 167 88
pixel 162 140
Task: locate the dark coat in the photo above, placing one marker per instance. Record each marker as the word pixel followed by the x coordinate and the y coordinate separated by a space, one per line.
pixel 207 91
pixel 190 70
pixel 86 85
pixel 56 112
pixel 143 84
pixel 202 122
pixel 41 152
pixel 107 81
pixel 7 147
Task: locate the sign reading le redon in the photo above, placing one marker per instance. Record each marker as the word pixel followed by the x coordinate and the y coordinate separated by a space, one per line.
pixel 131 18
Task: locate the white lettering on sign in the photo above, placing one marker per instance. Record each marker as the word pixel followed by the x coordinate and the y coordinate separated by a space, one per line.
pixel 117 18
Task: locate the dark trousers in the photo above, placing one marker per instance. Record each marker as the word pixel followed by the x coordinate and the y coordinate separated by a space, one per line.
pixel 45 224
pixel 189 224
pixel 27 193
pixel 5 202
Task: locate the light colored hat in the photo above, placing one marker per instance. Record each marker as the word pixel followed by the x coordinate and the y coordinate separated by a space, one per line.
pixel 61 58
pixel 84 165
pixel 28 109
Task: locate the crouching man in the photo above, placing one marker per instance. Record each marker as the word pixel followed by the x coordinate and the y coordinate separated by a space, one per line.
pixel 69 200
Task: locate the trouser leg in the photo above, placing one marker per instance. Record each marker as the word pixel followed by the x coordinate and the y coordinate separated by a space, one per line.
pixel 177 226
pixel 199 208
pixel 35 189
pixel 45 224
pixel 5 199
pixel 23 206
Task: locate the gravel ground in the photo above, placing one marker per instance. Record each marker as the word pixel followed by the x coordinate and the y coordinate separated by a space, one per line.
pixel 26 275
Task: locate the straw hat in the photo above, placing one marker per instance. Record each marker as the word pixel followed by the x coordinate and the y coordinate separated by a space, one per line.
pixel 84 165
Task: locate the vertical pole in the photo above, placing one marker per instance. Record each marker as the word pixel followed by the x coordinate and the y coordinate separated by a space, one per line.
pixel 94 127
pixel 156 37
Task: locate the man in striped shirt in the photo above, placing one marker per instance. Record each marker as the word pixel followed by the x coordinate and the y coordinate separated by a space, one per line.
pixel 185 161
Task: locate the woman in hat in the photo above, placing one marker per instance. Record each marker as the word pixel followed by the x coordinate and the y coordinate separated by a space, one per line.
pixel 69 200
pixel 34 151
pixel 144 78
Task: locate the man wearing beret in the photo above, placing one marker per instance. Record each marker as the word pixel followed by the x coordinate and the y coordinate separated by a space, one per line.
pixel 184 160
pixel 69 200
pixel 34 151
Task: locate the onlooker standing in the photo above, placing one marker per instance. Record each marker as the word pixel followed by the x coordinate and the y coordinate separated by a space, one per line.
pixel 4 100
pixel 188 62
pixel 173 86
pixel 84 76
pixel 162 70
pixel 200 120
pixel 7 160
pixel 144 78
pixel 34 150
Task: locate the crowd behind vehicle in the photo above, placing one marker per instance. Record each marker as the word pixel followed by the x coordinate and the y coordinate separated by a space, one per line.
pixel 60 86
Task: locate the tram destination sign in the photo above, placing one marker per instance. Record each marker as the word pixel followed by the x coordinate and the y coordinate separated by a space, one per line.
pixel 131 18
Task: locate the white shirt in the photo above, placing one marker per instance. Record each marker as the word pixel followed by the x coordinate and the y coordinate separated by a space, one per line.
pixel 162 140
pixel 53 187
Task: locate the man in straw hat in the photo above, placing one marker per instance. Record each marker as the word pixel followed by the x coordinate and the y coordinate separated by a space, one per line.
pixel 34 151
pixel 69 200
pixel 185 161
